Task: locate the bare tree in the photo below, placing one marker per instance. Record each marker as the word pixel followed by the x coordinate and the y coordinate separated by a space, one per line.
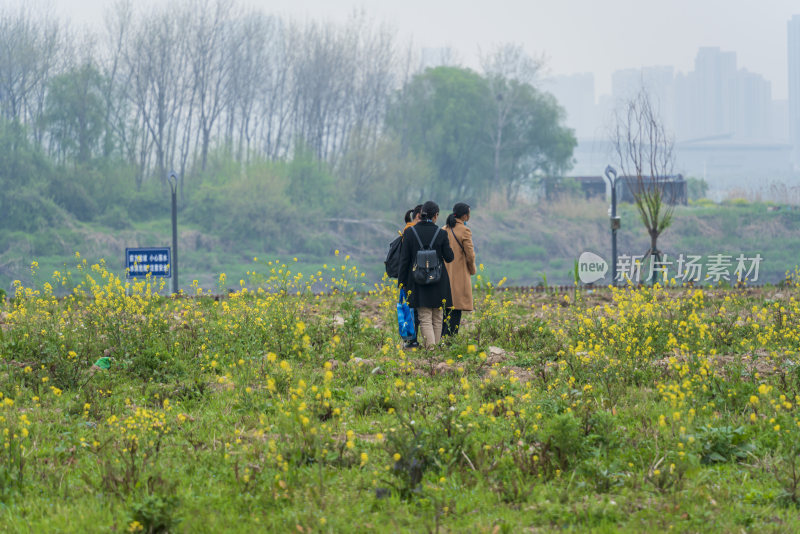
pixel 249 45
pixel 120 127
pixel 646 159
pixel 321 79
pixel 156 60
pixel 30 51
pixel 211 61
pixel 273 91
pixel 508 70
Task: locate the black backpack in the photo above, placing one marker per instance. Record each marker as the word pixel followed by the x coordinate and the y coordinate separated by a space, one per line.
pixel 392 261
pixel 427 267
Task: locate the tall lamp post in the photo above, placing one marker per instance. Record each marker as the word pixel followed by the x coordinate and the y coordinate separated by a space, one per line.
pixel 611 176
pixel 173 184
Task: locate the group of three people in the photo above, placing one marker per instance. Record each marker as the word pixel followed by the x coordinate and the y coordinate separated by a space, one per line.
pixel 438 306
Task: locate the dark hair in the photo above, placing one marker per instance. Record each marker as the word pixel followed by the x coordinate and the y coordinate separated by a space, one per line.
pixel 417 209
pixel 409 216
pixel 459 210
pixel 429 210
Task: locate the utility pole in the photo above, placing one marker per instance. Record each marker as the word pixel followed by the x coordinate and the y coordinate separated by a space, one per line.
pixel 611 176
pixel 173 184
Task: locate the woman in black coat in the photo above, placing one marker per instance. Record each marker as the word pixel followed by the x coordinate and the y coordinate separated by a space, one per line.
pixel 428 300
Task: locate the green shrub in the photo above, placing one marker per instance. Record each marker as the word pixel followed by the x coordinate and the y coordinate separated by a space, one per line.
pixel 723 444
pixel 564 439
pixel 71 195
pixel 156 513
pixel 115 217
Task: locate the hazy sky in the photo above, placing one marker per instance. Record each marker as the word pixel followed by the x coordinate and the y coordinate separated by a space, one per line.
pixel 597 36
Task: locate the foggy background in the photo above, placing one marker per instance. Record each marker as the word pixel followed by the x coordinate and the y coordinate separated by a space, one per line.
pixel 305 127
pixel 719 70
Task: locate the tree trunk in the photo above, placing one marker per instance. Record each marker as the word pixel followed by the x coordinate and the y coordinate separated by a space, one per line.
pixel 655 255
pixel 654 244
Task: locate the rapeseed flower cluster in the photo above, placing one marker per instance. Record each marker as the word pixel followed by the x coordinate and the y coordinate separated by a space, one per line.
pixel 292 379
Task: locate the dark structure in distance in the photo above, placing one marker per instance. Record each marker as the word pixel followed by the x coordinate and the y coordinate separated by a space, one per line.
pixel 674 187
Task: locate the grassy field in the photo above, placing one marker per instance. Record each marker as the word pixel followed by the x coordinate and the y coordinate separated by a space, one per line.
pixel 279 409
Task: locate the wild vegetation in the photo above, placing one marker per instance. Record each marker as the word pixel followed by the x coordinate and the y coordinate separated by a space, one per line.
pixel 283 408
pixel 527 244
pixel 313 119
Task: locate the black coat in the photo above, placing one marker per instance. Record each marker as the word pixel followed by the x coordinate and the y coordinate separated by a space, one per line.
pixel 432 295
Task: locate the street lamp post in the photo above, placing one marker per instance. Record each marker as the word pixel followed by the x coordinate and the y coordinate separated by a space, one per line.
pixel 173 184
pixel 611 176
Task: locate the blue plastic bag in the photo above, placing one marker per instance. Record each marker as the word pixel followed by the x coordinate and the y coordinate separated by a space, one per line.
pixel 405 317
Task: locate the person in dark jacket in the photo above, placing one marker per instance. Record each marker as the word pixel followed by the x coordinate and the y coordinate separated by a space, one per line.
pixel 427 300
pixel 412 218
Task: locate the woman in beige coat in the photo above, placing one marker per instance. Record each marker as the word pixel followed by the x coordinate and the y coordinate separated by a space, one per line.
pixel 460 269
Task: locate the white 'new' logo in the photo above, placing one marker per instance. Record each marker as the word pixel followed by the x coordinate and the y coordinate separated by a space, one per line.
pixel 591 267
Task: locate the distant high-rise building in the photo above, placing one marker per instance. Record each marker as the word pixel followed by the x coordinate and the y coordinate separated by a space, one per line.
pixel 793 40
pixel 625 84
pixel 753 114
pixel 685 103
pixel 718 101
pixel 575 93
pixel 779 125
pixel 659 82
pixel 715 91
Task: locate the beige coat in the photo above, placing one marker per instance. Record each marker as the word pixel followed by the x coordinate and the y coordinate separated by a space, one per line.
pixel 462 267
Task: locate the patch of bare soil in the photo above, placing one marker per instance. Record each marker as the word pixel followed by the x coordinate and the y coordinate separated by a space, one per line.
pixel 757 362
pixel 495 361
pixel 520 373
pixel 370 308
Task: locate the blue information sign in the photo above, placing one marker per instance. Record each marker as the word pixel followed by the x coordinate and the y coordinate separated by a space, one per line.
pixel 141 261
